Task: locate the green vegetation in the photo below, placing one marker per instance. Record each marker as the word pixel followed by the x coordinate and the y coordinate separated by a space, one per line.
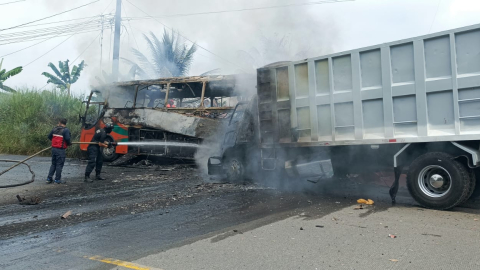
pixel 64 78
pixel 27 116
pixel 4 75
pixel 170 57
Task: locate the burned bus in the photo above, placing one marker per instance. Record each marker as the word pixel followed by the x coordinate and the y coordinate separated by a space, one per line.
pixel 174 111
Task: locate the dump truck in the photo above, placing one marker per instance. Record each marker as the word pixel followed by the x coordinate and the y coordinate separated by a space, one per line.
pixel 161 115
pixel 412 105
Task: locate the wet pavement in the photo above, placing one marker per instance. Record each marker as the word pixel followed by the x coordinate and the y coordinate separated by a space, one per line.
pixel 169 218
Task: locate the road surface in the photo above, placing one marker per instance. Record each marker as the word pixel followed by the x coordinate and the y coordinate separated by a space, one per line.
pixel 169 217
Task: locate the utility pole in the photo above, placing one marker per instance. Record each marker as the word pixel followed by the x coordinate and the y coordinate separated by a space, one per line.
pixel 116 41
pixel 101 45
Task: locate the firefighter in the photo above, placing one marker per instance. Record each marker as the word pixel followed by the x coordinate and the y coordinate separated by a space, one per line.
pixel 60 137
pixel 95 157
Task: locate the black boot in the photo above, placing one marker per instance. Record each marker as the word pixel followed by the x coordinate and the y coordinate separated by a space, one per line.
pixel 87 179
pixel 98 177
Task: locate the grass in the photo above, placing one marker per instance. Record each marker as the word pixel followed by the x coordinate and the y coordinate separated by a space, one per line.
pixel 28 116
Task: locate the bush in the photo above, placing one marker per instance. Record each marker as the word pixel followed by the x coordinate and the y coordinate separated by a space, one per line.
pixel 28 116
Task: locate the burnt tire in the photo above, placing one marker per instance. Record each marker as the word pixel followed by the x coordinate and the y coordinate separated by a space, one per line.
pixel 109 154
pixel 436 180
pixel 235 170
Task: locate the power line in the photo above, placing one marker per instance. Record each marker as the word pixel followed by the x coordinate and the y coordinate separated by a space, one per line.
pixel 435 17
pixel 57 36
pixel 24 36
pixel 240 10
pixel 52 32
pixel 48 51
pixel 133 33
pixel 86 48
pixel 185 36
pixel 77 19
pixel 13 2
pixel 48 16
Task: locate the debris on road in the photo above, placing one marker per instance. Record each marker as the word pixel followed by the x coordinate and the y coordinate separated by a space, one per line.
pixel 429 234
pixel 358 207
pixel 32 201
pixel 319 226
pixel 392 236
pixel 393 260
pixel 68 213
pixel 301 228
pixel 367 202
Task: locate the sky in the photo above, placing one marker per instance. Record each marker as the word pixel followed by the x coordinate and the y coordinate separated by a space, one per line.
pixel 232 41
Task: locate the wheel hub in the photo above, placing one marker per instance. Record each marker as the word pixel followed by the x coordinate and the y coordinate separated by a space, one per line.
pixel 436 181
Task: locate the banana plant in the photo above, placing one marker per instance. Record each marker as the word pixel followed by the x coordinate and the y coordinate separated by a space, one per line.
pixel 64 77
pixel 4 75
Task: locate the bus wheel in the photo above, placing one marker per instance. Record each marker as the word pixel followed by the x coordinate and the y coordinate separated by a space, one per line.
pixel 235 170
pixel 436 180
pixel 109 152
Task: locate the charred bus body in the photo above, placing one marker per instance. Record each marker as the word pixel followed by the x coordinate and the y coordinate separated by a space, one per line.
pixel 412 105
pixel 168 110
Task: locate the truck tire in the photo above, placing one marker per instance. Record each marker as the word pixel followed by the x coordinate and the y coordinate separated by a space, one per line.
pixel 109 154
pixel 436 180
pixel 235 170
pixel 472 186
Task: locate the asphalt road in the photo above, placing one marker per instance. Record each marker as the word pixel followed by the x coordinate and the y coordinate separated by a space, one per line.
pixel 169 218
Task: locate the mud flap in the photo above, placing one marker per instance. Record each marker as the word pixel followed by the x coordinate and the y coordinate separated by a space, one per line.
pixel 215 166
pixel 394 188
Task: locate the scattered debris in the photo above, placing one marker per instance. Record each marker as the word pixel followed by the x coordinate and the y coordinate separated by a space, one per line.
pixel 358 207
pixel 392 236
pixel 313 180
pixel 31 201
pixel 367 202
pixel 301 228
pixel 475 219
pixel 393 260
pixel 319 226
pixel 68 213
pixel 334 218
pixel 429 234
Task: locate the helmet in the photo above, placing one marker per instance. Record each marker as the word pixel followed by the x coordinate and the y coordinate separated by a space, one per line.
pixel 108 128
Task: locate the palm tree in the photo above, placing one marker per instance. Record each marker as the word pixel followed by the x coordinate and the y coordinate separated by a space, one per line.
pixel 64 78
pixel 273 49
pixel 4 75
pixel 108 77
pixel 170 56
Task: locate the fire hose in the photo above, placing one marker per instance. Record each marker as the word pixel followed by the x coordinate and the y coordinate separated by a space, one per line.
pixel 18 163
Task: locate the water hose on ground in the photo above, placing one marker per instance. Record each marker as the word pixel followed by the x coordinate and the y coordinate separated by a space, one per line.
pixel 29 168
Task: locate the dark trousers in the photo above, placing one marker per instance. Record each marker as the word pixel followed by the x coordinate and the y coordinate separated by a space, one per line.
pixel 58 160
pixel 95 160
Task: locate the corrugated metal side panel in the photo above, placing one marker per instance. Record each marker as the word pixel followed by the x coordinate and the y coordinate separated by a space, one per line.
pixel 424 88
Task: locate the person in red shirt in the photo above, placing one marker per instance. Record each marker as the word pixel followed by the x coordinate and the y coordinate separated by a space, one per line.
pixel 60 137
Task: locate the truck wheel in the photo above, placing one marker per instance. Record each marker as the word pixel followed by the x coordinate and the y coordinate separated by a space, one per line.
pixel 472 186
pixel 235 170
pixel 435 180
pixel 109 153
